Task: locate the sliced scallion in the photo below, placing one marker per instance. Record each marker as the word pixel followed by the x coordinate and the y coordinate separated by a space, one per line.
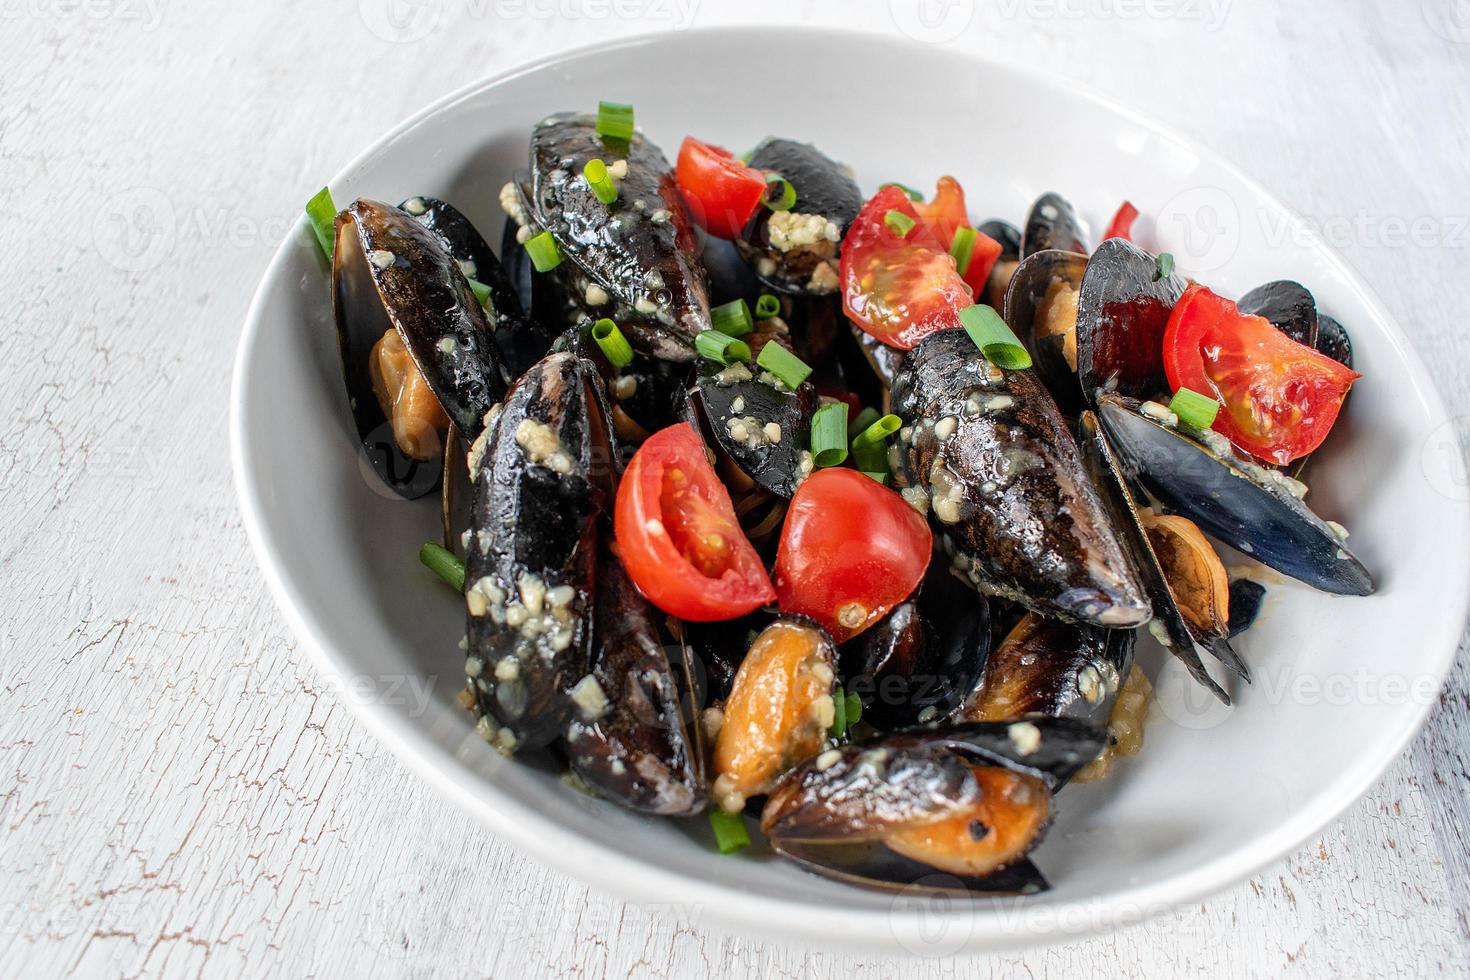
pixel 721 347
pixel 600 181
pixel 481 291
pixel 785 365
pixel 839 714
pixel 880 476
pixel 323 216
pixel 730 832
pixel 829 434
pixel 994 338
pixel 732 319
pixel 877 432
pixel 865 418
pixel 899 223
pixel 961 247
pixel 785 200
pixel 1166 266
pixel 1193 408
pixel 615 346
pixel 443 563
pixel 913 195
pixel 545 256
pixel 615 120
pixel 767 306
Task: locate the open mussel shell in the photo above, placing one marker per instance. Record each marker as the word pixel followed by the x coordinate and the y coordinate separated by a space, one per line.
pixel 1053 223
pixel 1122 312
pixel 640 249
pixel 1052 749
pixel 1041 310
pixel 642 747
pixel 1332 340
pixel 796 251
pixel 1005 488
pixel 1009 237
pixel 390 272
pixel 1246 597
pixel 919 661
pixel 1246 506
pixel 1054 669
pixel 542 475
pixel 1168 626
pixel 1289 306
pixel 760 426
pixel 873 865
pixel 645 396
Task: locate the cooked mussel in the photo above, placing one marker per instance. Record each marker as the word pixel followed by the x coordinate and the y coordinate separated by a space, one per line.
pixel 1332 340
pixel 1249 507
pixel 1122 310
pixel 541 471
pixel 640 250
pixel 778 712
pixel 989 456
pixel 1288 305
pixel 1053 223
pixel 633 740
pixel 417 347
pixel 1041 309
pixel 1009 237
pixel 1196 575
pixel 796 250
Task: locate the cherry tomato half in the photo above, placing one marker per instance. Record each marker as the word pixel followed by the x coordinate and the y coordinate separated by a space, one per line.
pixel 1122 224
pixel 719 189
pixel 678 535
pixel 945 213
pixel 1280 398
pixel 850 551
pixel 899 288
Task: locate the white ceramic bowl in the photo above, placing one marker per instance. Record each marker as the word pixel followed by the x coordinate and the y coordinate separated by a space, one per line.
pixel 1342 682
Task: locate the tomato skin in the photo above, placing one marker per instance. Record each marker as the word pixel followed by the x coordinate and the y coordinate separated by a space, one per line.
pixel 670 507
pixel 945 213
pixel 899 289
pixel 1122 224
pixel 1279 398
pixel 849 540
pixel 720 191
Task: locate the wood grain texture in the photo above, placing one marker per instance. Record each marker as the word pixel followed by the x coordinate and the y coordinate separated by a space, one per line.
pixel 181 796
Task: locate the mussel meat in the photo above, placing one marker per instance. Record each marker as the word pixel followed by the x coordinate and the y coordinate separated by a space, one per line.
pixel 796 250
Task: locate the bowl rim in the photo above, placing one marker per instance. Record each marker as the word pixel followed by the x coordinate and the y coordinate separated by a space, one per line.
pixel 990 926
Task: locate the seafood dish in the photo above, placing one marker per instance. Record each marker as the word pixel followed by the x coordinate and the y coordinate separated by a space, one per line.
pixel 827 517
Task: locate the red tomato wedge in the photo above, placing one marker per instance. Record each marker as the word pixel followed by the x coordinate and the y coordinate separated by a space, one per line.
pixel 945 213
pixel 1280 398
pixel 678 535
pixel 1122 224
pixel 851 550
pixel 719 189
pixel 899 288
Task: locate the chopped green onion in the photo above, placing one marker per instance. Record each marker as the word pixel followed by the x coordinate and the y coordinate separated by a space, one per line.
pixel 785 365
pixel 721 347
pixel 848 707
pixel 600 181
pixel 854 709
pixel 994 338
pixel 899 223
pixel 545 256
pixel 323 216
pixel 615 346
pixel 881 476
pixel 615 120
pixel 767 306
pixel 443 563
pixel 877 432
pixel 865 418
pixel 913 195
pixel 829 434
pixel 787 199
pixel 1166 266
pixel 730 832
pixel 481 291
pixel 961 246
pixel 1193 408
pixel 732 319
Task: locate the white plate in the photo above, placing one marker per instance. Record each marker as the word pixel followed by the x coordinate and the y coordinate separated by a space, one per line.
pixel 1342 682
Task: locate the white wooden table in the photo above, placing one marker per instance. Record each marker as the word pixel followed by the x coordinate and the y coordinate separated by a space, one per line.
pixel 179 793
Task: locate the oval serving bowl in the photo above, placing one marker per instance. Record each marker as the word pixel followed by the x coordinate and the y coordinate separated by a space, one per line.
pixel 1216 794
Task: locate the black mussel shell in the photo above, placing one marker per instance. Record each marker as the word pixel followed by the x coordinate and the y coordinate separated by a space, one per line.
pixel 720 647
pixel 542 473
pixel 871 864
pixel 1007 494
pixel 918 662
pixel 1244 505
pixel 824 193
pixel 1007 234
pixel 1052 749
pixel 1030 284
pixel 642 750
pixel 1053 223
pixel 1288 305
pixel 1054 669
pixel 729 277
pixel 1168 627
pixel 1246 597
pixel 1332 340
pixel 739 408
pixel 641 248
pixel 1121 315
pixel 646 396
